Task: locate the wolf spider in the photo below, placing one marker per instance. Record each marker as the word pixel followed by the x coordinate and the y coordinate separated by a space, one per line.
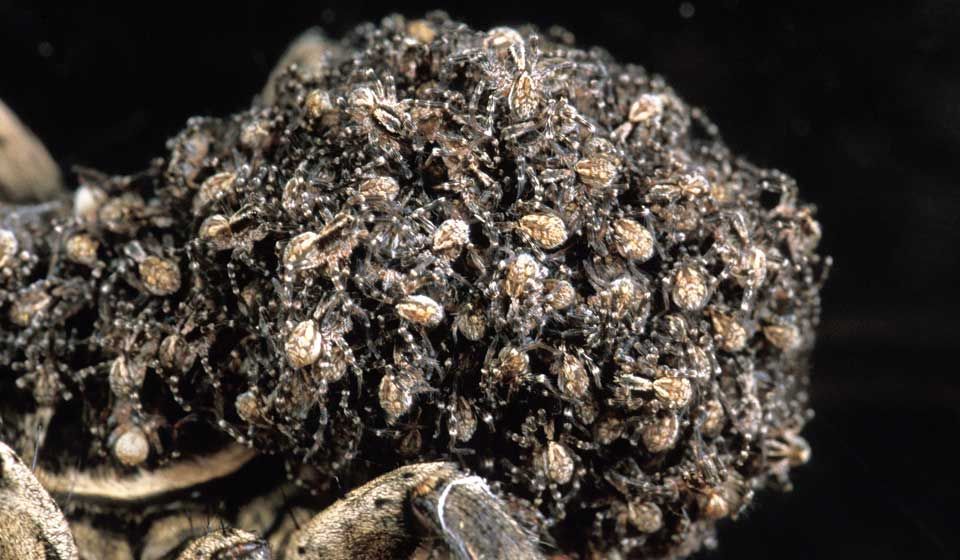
pixel 317 327
pixel 420 511
pixel 423 510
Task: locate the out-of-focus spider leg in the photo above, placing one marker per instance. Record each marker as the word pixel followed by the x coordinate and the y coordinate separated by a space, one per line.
pixel 422 505
pixel 194 535
pixel 232 544
pixel 27 172
pixel 32 527
pixel 107 486
pixel 311 52
pixel 188 535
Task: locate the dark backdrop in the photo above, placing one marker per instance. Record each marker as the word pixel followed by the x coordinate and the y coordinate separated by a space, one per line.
pixel 861 105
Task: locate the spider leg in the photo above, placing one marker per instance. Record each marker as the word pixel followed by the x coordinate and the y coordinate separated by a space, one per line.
pixel 145 485
pixel 195 536
pixel 258 531
pixel 514 131
pixel 472 521
pixel 226 543
pixel 311 52
pixel 473 106
pixel 172 534
pixel 27 172
pixel 31 524
pixel 99 543
pixel 397 514
pixel 183 535
pixel 389 90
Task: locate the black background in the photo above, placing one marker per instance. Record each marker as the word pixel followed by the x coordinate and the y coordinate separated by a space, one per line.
pixel 861 105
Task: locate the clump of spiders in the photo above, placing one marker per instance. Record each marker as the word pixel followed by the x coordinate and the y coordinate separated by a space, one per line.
pixel 429 243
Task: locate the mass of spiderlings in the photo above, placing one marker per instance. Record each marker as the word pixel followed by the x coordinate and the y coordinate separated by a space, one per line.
pixel 428 241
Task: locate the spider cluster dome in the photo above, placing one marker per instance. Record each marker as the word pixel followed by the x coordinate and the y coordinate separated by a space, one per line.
pixel 430 242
